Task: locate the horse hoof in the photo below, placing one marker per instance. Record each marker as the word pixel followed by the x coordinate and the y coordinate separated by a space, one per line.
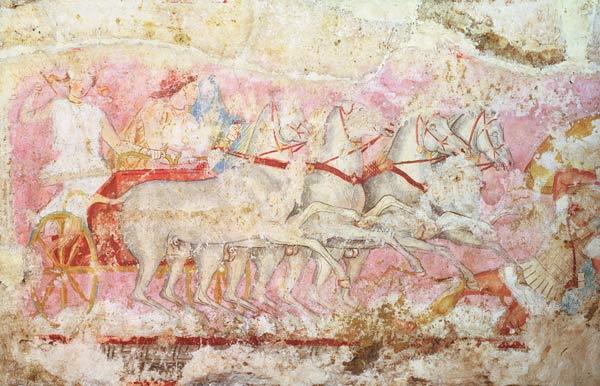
pixel 473 284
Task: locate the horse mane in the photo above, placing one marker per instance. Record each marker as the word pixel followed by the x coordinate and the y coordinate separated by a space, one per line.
pixel 399 136
pixel 270 140
pixel 333 129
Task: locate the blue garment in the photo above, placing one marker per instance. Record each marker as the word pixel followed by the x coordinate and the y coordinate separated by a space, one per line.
pixel 204 104
pixel 574 298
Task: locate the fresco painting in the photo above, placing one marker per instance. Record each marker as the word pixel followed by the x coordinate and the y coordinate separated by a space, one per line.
pixel 300 193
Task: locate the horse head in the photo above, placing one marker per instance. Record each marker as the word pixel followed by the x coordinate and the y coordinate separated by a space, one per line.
pixel 489 141
pixel 293 125
pixel 273 136
pixel 348 125
pixel 434 134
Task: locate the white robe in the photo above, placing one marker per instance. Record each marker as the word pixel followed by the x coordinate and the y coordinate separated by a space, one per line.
pixel 79 164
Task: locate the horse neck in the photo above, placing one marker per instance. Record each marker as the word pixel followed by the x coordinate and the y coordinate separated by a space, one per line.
pixel 468 127
pixel 338 150
pixel 404 145
pixel 267 139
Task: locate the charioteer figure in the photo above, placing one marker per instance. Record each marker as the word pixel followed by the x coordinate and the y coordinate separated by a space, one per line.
pixel 79 129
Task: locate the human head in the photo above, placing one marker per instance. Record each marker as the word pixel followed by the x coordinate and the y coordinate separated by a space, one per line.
pixel 78 82
pixel 179 88
pixel 208 88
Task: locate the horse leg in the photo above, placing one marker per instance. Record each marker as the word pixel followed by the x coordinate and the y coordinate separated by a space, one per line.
pixel 318 207
pixel 235 272
pixel 320 276
pixel 465 237
pixel 148 262
pixel 176 265
pixel 352 232
pixel 177 253
pixel 294 268
pixel 267 259
pixel 354 266
pixel 460 227
pixel 323 272
pixel 290 238
pixel 414 243
pixel 208 261
pixel 387 202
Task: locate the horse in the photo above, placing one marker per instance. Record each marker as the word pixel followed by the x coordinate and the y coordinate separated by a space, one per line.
pixel 176 220
pixel 434 142
pixel 477 136
pixel 336 180
pixel 283 137
pixel 457 219
pixel 482 135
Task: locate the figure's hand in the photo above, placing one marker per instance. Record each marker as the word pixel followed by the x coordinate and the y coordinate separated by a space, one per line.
pixel 155 154
pixel 234 133
pixel 37 88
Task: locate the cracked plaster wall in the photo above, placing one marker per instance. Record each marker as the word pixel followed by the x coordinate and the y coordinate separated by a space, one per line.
pixel 339 42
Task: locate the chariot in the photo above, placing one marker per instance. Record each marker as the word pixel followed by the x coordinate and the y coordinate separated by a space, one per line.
pixel 75 251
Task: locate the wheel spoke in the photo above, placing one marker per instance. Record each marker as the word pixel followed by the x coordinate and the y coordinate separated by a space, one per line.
pixel 61 227
pixel 76 287
pixel 93 292
pixel 49 252
pixel 62 243
pixel 74 250
pixel 63 295
pixel 41 304
pixel 61 251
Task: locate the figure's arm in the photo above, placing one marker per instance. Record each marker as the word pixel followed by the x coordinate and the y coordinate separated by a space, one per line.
pixel 112 139
pixel 110 136
pixel 29 114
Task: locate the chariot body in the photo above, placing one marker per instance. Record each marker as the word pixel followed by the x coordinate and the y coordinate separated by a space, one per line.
pixel 75 250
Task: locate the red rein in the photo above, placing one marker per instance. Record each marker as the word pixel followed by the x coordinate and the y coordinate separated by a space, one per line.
pixel 369 171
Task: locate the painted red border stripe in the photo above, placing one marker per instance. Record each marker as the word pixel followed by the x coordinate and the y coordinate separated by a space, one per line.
pixel 218 341
pixel 501 344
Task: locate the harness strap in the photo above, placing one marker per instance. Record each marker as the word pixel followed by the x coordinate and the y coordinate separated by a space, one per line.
pixel 417 130
pixel 474 127
pixel 362 148
pixel 295 147
pixel 257 160
pixel 353 179
pixel 409 179
pixel 375 169
pixel 417 161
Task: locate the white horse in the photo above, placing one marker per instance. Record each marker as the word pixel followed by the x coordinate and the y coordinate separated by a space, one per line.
pixel 335 181
pixel 448 211
pixel 282 135
pixel 435 142
pixel 248 206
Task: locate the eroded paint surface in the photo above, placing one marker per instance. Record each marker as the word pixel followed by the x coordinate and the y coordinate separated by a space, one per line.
pixel 292 192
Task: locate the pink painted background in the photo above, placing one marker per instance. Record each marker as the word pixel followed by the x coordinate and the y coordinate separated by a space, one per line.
pixel 129 84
